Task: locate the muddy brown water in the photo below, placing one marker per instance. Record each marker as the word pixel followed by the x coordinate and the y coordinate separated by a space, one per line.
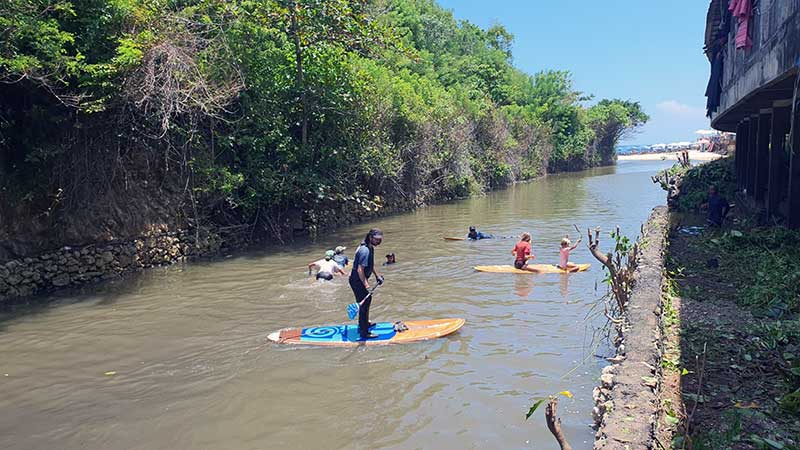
pixel 193 370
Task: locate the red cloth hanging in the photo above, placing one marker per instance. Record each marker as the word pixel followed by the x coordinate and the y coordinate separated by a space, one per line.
pixel 742 10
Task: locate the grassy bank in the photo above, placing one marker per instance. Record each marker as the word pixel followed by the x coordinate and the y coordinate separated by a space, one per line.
pixel 731 315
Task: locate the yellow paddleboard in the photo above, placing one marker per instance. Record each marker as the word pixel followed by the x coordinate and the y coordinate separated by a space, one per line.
pixel 536 268
pixel 451 238
pixel 347 335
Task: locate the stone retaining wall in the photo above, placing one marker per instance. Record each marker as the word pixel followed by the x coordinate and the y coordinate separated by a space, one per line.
pixel 72 266
pixel 77 265
pixel 627 401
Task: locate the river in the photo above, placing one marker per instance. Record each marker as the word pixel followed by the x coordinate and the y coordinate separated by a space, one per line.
pixel 192 369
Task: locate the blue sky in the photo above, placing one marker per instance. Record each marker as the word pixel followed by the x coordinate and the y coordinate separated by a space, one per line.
pixel 647 51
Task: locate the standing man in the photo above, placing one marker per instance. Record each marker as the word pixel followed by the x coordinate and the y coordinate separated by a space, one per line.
pixel 363 268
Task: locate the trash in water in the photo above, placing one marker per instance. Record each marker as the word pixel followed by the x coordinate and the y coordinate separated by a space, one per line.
pixel 691 231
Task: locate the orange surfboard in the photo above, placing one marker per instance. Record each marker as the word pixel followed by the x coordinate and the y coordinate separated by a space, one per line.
pixel 538 268
pixel 347 335
pixel 453 238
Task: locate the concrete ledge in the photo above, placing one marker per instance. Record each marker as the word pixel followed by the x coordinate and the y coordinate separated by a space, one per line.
pixel 627 400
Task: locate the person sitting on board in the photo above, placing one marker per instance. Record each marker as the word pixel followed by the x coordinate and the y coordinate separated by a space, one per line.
pixel 718 207
pixel 390 259
pixel 566 249
pixel 363 268
pixel 326 268
pixel 339 257
pixel 522 252
pixel 477 235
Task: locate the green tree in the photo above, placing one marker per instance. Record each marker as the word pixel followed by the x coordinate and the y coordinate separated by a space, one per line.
pixel 613 120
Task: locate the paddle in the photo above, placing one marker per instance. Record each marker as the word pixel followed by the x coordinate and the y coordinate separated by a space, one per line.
pixel 352 308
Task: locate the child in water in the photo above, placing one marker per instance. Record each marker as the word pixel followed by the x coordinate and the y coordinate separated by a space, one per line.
pixel 566 249
pixel 390 259
pixel 522 252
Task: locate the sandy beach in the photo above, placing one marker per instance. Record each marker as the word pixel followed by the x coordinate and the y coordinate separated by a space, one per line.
pixel 694 155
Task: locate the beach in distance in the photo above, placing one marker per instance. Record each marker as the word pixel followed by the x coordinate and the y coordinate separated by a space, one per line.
pixel 693 155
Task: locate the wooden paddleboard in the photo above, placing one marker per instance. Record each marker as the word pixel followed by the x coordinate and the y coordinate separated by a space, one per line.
pixel 347 335
pixel 452 238
pixel 538 268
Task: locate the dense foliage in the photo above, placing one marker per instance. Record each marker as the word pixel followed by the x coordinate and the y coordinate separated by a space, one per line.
pixel 694 182
pixel 253 107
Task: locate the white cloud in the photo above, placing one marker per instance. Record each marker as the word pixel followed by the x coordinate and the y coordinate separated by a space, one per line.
pixel 677 108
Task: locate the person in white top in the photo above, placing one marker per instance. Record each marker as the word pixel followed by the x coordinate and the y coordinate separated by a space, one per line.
pixel 566 249
pixel 326 268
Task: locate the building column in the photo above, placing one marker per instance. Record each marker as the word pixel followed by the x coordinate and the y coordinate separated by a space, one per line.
pixel 752 156
pixel 778 160
pixel 741 154
pixel 794 169
pixel 762 154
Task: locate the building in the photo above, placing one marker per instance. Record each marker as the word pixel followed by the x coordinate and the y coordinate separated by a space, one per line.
pixel 754 50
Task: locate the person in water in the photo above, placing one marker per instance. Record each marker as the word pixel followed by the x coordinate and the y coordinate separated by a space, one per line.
pixel 718 207
pixel 363 268
pixel 326 267
pixel 566 249
pixel 390 259
pixel 476 235
pixel 339 257
pixel 522 252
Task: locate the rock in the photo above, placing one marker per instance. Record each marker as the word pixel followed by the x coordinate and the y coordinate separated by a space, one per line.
pixel 107 257
pixel 13 279
pixel 25 291
pixel 608 369
pixel 27 274
pixel 61 280
pixel 597 395
pixel 11 265
pixel 608 380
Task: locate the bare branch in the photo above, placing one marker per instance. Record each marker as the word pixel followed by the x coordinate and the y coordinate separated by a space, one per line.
pixel 554 423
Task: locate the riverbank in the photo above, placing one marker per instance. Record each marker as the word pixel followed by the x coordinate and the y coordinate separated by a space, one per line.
pixel 626 402
pixel 731 334
pixel 731 369
pixel 694 155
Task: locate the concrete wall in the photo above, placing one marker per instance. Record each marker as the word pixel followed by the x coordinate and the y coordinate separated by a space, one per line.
pixel 748 73
pixel 627 400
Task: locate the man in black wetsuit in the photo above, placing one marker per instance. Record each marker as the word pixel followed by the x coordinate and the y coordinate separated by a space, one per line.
pixel 363 268
pixel 476 235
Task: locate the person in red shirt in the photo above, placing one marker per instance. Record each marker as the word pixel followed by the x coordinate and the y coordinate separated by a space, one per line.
pixel 522 252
